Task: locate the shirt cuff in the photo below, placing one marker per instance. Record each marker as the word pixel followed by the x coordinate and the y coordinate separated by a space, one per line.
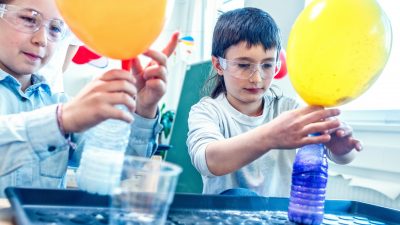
pixel 146 127
pixel 143 138
pixel 42 128
pixel 341 159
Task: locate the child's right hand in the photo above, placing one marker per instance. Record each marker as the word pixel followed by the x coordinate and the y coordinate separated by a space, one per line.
pixel 292 129
pixel 95 103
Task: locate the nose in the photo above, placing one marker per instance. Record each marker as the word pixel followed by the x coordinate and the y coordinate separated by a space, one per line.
pixel 40 37
pixel 257 75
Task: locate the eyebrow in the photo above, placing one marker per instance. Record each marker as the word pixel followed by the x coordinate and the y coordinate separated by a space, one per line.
pixel 271 59
pixel 40 13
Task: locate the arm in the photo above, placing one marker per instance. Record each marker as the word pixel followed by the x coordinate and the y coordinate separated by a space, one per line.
pixel 143 138
pixel 151 80
pixel 35 136
pixel 222 156
pixel 24 137
pixel 151 86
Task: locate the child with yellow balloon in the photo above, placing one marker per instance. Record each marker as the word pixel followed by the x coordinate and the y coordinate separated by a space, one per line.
pixel 243 137
pixel 37 125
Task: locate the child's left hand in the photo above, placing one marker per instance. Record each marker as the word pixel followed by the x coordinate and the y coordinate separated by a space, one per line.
pixel 151 80
pixel 342 141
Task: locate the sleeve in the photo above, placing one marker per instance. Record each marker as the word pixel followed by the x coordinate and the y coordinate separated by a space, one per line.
pixel 341 159
pixel 144 134
pixel 204 128
pixel 27 136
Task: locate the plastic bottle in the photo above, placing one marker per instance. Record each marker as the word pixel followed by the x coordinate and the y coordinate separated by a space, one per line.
pixel 309 179
pixel 102 158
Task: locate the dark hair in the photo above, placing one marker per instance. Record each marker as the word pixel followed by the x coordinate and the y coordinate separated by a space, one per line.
pixel 251 25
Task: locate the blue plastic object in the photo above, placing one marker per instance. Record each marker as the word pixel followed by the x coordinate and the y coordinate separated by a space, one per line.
pixel 309 179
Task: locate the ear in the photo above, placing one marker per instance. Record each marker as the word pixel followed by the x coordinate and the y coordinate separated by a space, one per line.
pixel 216 65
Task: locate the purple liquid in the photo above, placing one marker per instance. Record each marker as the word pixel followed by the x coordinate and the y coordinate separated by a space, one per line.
pixel 309 179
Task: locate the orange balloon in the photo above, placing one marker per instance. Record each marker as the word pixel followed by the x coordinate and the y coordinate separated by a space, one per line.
pixel 120 29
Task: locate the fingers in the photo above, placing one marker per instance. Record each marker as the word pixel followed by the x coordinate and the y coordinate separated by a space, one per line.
pixel 119 86
pixel 316 119
pixel 316 114
pixel 321 127
pixel 117 81
pixel 354 143
pixel 116 74
pixel 323 138
pixel 118 98
pixel 158 57
pixel 155 72
pixel 173 42
pixel 136 66
pixel 309 109
pixel 358 145
pixel 344 130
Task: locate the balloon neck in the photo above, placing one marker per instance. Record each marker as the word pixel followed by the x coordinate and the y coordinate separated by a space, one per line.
pixel 126 65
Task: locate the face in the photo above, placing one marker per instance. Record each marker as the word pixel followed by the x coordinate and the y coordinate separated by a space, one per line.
pixel 25 53
pixel 242 93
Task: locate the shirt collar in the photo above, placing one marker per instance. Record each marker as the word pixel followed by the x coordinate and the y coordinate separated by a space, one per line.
pixel 38 81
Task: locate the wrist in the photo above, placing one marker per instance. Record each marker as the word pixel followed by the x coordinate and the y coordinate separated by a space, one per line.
pixel 65 118
pixel 60 123
pixel 262 140
pixel 67 136
pixel 147 112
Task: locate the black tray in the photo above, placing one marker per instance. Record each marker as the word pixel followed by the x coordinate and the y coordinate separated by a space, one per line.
pixel 74 207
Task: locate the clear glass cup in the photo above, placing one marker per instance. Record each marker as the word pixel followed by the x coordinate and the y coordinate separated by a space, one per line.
pixel 145 192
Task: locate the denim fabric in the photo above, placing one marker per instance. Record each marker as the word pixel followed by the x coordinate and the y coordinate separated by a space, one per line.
pixel 33 152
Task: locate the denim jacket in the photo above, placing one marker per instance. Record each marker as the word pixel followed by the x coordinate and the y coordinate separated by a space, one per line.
pixel 33 152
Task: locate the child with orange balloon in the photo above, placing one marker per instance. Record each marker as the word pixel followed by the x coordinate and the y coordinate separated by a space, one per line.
pixel 242 138
pixel 37 125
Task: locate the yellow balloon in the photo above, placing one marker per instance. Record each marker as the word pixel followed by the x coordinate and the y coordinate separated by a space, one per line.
pixel 119 29
pixel 337 49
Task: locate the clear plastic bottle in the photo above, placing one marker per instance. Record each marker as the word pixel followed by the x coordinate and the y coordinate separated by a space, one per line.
pixel 309 179
pixel 102 158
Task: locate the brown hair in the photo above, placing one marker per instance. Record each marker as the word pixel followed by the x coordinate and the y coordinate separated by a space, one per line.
pixel 250 25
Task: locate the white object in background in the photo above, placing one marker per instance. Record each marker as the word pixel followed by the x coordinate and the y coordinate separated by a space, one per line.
pixel 53 70
pixel 387 188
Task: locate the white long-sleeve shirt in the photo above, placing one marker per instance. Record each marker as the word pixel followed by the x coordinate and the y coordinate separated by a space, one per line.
pixel 215 119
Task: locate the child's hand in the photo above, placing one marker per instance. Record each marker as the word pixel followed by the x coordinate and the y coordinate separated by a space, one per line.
pixel 95 103
pixel 342 141
pixel 151 80
pixel 292 129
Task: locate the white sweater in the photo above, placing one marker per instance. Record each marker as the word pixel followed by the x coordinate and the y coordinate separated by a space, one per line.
pixel 215 119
